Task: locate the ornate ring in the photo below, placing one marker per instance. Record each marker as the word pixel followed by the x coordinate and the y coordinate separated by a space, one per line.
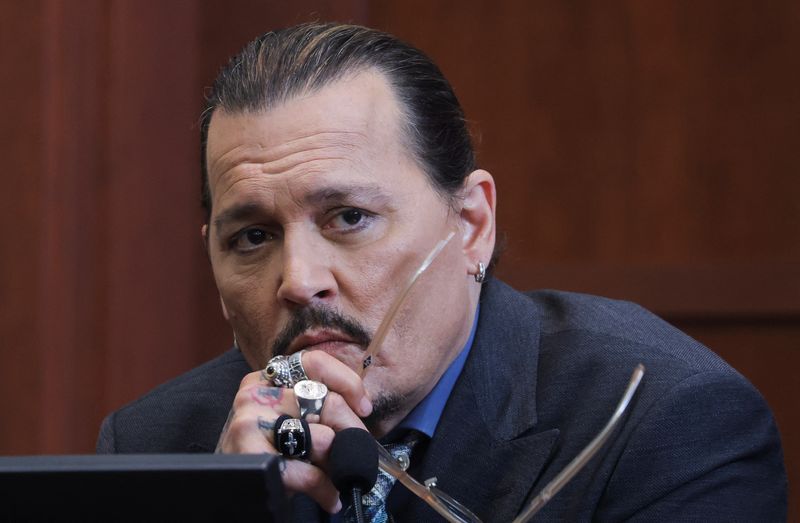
pixel 285 372
pixel 292 437
pixel 310 397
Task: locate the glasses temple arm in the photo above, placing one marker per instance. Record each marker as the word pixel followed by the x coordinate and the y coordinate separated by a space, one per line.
pixel 389 465
pixel 586 454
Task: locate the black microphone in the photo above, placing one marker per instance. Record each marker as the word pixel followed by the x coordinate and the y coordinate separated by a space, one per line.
pixel 353 464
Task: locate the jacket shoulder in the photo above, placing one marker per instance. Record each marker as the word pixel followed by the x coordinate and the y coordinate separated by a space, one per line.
pixel 698 439
pixel 184 414
pixel 625 327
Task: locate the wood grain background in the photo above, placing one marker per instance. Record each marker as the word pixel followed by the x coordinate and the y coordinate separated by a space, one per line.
pixel 645 150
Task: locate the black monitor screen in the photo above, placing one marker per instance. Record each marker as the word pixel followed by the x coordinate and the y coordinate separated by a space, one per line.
pixel 142 487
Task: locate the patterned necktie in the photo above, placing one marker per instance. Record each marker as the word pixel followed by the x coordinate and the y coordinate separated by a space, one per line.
pixel 374 501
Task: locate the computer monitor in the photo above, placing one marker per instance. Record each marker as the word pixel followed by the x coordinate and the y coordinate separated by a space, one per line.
pixel 142 487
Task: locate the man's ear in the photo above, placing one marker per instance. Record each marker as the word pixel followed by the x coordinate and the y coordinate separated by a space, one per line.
pixel 478 219
pixel 204 234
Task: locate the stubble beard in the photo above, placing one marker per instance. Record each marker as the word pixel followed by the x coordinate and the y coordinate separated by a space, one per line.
pixel 384 406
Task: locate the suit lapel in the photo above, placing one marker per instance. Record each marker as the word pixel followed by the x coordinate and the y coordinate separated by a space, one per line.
pixel 490 476
pixel 486 452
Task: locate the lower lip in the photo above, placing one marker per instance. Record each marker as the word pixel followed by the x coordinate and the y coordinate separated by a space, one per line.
pixel 329 346
pixel 338 349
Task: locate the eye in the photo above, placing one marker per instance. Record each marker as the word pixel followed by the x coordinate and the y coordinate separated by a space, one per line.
pixel 255 236
pixel 250 239
pixel 349 219
pixel 352 216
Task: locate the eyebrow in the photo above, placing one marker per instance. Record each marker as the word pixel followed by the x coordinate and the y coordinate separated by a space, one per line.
pixel 237 213
pixel 345 193
pixel 354 194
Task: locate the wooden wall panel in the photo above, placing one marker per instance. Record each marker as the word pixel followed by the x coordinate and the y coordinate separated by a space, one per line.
pixel 20 139
pixel 50 308
pixel 95 339
pixel 70 301
pixel 225 29
pixel 150 179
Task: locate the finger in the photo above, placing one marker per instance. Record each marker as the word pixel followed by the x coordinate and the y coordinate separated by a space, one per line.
pixel 251 433
pixel 259 376
pixel 263 430
pixel 253 378
pixel 337 414
pixel 299 476
pixel 321 438
pixel 223 434
pixel 266 399
pixel 312 480
pixel 337 376
pixel 246 434
pixel 254 406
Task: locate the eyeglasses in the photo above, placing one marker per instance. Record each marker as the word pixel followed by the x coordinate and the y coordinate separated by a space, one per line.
pixel 455 512
pixel 383 328
pixel 446 506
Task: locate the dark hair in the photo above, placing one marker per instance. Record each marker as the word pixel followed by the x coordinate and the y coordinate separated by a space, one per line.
pixel 280 65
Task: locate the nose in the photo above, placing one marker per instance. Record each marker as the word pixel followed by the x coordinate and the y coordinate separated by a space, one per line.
pixel 306 274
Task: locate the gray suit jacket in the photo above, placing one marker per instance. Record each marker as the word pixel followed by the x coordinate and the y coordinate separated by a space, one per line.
pixel 543 376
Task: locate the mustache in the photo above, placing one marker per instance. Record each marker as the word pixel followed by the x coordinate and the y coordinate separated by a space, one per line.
pixel 308 318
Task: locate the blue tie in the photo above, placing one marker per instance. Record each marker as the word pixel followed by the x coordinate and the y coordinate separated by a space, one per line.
pixel 374 501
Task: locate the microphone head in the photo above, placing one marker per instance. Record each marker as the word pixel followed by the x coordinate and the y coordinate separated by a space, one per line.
pixel 353 460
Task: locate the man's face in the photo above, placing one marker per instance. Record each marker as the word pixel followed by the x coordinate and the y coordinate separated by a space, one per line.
pixel 320 215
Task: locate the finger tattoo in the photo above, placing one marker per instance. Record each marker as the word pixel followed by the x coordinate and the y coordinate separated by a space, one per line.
pixel 268 396
pixel 266 425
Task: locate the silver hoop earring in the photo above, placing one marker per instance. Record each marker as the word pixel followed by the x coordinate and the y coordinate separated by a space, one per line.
pixel 480 276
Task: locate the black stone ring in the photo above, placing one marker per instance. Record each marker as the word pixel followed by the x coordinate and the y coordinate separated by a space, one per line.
pixel 292 437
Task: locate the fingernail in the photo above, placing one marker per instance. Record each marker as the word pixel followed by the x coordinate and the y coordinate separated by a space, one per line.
pixel 365 407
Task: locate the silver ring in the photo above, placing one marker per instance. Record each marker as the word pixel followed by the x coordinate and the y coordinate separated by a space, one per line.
pixel 310 397
pixel 285 372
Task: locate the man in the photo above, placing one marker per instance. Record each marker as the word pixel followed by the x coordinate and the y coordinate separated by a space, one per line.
pixel 334 160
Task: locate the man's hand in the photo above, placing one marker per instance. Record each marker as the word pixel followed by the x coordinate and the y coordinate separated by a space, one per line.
pixel 258 403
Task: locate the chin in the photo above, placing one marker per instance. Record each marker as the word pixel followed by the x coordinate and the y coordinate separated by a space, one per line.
pixel 384 406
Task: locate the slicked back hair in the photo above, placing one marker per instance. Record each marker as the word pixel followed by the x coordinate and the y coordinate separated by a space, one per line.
pixel 281 65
